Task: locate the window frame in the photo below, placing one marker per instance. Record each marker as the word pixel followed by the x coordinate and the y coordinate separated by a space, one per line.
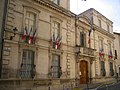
pixel 101 45
pixel 111 69
pixel 27 64
pixel 82 39
pixel 108 27
pixel 59 21
pixel 29 19
pixel 103 71
pixel 100 24
pixel 31 10
pixel 55 69
pixel 54 28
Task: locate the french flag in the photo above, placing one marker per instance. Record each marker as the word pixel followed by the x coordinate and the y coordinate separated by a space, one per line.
pixel 25 33
pixel 89 36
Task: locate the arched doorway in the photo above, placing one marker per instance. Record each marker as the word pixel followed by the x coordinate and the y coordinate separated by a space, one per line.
pixel 83 72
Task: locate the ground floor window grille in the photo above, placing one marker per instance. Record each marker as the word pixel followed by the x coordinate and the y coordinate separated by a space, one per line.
pixel 111 69
pixel 56 69
pixel 103 72
pixel 27 66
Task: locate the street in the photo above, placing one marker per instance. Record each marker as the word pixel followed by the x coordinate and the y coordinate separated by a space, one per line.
pixel 115 86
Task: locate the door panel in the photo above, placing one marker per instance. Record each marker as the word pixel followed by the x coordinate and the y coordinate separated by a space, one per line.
pixel 84 72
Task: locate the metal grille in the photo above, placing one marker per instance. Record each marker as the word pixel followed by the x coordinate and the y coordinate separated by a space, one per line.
pixel 27 65
pixel 56 66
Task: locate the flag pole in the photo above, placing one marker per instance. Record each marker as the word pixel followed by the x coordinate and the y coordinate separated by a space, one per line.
pixel 77 6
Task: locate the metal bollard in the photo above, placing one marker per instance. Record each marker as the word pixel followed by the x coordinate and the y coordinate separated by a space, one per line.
pixel 106 87
pixel 63 87
pixel 49 88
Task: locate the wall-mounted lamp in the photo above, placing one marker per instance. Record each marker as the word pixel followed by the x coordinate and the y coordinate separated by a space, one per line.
pixel 14 32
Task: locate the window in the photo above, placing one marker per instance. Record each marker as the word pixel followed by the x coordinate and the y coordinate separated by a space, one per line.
pixel 103 72
pixel 109 51
pixel 109 47
pixel 56 34
pixel 111 69
pixel 99 21
pixel 56 1
pixel 56 28
pixel 55 66
pixel 82 39
pixel 101 49
pixel 27 66
pixel 108 28
pixel 30 21
pixel 115 54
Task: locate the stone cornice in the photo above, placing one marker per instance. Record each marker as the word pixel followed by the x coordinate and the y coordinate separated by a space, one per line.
pixel 55 7
pixel 103 31
pixel 116 33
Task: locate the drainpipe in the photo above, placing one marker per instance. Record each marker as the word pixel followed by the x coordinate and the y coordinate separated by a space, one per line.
pixel 3 9
pixel 76 67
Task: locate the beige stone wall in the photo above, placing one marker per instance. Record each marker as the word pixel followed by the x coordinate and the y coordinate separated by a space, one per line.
pixel 45 14
pixel 117 46
pixel 101 32
pixel 42 48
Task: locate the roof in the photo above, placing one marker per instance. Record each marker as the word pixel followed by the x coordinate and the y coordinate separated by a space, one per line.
pixel 91 10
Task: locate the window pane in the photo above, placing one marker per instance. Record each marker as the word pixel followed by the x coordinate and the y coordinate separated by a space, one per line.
pixel 56 28
pixel 30 20
pixel 27 63
pixel 82 39
pixel 55 66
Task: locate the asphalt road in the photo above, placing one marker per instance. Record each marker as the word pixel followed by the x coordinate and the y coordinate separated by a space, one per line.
pixel 115 86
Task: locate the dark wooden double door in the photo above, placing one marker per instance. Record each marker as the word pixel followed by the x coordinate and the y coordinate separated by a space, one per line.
pixel 84 72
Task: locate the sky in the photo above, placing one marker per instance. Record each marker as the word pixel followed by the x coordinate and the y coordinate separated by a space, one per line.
pixel 109 8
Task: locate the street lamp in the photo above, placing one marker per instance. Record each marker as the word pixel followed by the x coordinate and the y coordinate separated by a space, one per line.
pixel 14 32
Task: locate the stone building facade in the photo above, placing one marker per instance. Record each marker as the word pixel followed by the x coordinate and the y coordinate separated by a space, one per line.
pixel 117 52
pixel 44 40
pixel 32 37
pixel 103 38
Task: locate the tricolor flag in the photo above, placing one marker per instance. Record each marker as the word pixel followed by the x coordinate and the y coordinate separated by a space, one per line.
pixel 89 36
pixel 53 37
pixel 101 52
pixel 58 43
pixel 25 33
pixel 55 41
pixel 32 36
pixel 110 54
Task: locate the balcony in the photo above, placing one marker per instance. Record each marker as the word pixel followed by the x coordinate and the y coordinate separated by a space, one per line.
pixel 87 51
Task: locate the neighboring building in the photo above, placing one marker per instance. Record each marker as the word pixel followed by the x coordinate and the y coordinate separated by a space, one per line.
pixel 44 40
pixel 104 63
pixel 3 11
pixel 84 41
pixel 117 51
